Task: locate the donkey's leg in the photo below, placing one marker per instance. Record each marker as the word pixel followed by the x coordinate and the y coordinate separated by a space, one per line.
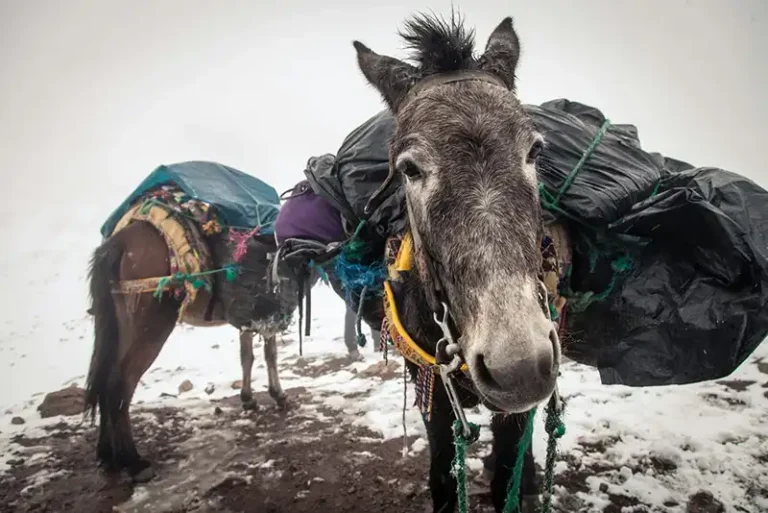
pixel 507 433
pixel 246 361
pixel 130 332
pixel 270 356
pixel 144 325
pixel 350 333
pixel 442 484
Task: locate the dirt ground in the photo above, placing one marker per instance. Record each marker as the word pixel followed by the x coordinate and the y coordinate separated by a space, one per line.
pixel 214 457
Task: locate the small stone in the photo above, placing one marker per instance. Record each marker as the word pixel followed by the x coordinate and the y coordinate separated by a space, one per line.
pixel 704 502
pixel 17 421
pixel 210 388
pixel 67 401
pixel 380 479
pixel 318 480
pixel 217 411
pixel 215 346
pixel 392 482
pixel 604 487
pixel 237 385
pixel 164 394
pixel 185 386
pixel 16 462
pixel 409 489
pixel 351 490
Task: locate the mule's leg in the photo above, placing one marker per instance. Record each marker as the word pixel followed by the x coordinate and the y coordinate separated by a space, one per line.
pixel 144 328
pixel 270 357
pixel 442 485
pixel 507 433
pixel 246 361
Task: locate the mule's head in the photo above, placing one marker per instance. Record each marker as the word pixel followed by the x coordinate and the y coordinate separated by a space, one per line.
pixel 466 150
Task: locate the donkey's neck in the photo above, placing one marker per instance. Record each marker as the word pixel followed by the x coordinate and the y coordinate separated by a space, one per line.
pixel 416 314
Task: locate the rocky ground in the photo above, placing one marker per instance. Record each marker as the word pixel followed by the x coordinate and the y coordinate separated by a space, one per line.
pixel 211 456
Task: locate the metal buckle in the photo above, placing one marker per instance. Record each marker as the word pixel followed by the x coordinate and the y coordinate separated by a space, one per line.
pixel 448 357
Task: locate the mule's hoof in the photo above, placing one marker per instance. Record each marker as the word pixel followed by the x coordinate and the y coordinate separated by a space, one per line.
pixel 142 472
pixel 249 405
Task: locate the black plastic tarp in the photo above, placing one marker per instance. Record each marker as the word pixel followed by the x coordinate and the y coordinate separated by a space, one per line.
pixel 669 282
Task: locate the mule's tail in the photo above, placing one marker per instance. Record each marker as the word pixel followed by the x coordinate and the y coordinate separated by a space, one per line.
pixel 103 371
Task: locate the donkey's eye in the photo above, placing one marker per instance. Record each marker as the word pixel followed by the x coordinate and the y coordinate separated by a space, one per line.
pixel 535 151
pixel 409 169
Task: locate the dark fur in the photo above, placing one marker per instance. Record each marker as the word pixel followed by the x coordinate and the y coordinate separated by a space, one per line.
pixel 482 214
pixel 137 326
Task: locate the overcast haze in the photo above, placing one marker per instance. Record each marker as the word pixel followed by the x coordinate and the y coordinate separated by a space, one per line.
pixel 95 94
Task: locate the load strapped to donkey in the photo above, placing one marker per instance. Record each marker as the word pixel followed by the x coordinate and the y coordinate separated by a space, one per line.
pixel 667 281
pixel 210 215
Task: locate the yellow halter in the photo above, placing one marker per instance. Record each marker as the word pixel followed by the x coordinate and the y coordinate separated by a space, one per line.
pixel 404 344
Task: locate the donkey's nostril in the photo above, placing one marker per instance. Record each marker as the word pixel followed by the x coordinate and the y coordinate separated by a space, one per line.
pixel 483 374
pixel 545 364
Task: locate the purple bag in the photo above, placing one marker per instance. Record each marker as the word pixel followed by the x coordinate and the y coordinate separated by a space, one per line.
pixel 305 215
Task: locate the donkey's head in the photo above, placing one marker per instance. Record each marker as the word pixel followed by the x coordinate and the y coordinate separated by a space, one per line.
pixel 466 150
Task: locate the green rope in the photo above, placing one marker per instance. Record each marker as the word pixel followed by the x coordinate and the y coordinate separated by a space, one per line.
pixel 580 301
pixel 230 273
pixel 552 202
pixel 555 429
pixel 584 157
pixel 512 502
pixel 458 465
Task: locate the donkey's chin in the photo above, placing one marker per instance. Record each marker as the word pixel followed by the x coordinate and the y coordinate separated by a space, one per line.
pixel 514 402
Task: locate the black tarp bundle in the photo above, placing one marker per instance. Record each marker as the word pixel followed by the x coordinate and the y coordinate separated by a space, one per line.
pixel 669 281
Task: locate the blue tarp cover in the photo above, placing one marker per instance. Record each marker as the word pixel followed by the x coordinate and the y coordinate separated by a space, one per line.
pixel 241 200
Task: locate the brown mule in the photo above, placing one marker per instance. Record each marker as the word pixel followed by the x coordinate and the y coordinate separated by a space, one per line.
pixel 130 329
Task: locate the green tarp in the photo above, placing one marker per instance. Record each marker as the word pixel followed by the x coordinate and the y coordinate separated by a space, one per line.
pixel 242 201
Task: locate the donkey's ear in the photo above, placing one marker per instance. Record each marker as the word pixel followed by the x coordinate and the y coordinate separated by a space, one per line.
pixel 391 77
pixel 502 53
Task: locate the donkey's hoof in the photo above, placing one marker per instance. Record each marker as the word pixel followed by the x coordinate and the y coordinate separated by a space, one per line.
pixel 246 398
pixel 282 402
pixel 142 472
pixel 530 503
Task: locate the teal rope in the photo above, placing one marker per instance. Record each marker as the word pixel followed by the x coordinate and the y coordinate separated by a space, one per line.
pixel 584 157
pixel 231 271
pixel 580 301
pixel 555 429
pixel 458 465
pixel 320 271
pixel 512 504
pixel 552 202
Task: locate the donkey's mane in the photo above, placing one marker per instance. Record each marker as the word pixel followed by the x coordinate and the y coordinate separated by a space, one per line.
pixel 439 45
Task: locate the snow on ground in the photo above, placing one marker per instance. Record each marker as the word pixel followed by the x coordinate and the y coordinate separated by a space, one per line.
pixel 655 445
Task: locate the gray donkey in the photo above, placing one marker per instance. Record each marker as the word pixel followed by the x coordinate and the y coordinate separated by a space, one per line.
pixel 466 152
